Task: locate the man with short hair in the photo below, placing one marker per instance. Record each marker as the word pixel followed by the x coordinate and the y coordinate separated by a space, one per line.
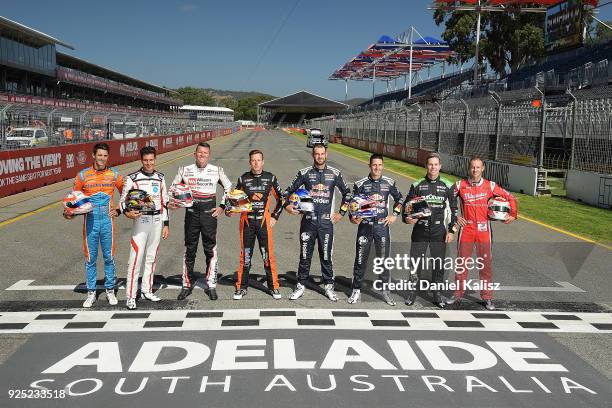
pixel 147 228
pixel 99 182
pixel 201 219
pixel 475 193
pixel 435 230
pixel 321 181
pixel 374 230
pixel 258 185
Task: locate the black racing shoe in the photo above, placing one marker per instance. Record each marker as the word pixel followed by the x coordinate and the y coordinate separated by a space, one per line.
pixel 438 300
pixel 212 294
pixel 184 293
pixel 411 298
pixel 488 304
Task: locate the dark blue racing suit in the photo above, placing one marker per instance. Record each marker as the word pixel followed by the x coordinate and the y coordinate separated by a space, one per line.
pixel 373 230
pixel 321 184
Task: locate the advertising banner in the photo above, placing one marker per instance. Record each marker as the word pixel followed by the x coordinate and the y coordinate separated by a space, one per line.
pixel 27 169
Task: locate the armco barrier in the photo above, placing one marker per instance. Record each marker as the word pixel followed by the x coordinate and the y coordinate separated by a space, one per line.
pixel 27 169
pixel 590 188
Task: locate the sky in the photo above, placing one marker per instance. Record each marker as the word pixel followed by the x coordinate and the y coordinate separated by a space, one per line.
pixel 272 46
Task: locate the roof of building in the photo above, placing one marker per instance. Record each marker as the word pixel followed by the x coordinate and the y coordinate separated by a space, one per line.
pixel 70 61
pixel 303 99
pixel 33 34
pixel 205 108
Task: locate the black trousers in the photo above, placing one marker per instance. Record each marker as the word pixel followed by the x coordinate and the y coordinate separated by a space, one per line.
pixel 200 223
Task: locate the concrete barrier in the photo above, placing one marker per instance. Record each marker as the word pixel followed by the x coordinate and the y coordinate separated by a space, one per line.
pixel 590 188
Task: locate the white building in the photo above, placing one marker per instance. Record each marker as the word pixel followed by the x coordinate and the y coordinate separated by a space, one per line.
pixel 208 113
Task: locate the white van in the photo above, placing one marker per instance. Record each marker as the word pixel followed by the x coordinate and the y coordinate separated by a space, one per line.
pixel 20 138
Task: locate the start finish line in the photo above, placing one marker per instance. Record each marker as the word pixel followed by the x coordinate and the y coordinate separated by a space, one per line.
pixel 309 367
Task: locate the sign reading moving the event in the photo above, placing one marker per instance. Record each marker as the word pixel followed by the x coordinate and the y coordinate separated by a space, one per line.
pixel 563 26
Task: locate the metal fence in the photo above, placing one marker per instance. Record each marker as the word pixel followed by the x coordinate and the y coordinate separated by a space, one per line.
pixel 571 130
pixel 28 125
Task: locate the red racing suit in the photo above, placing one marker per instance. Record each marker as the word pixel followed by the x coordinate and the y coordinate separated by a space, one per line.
pixel 475 198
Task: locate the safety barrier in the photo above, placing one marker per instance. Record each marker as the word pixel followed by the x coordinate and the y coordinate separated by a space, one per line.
pixel 27 169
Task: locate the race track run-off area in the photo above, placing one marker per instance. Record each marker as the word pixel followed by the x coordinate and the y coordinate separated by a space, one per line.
pixel 548 343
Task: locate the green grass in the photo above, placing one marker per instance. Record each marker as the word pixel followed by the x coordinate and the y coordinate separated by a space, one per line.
pixel 590 222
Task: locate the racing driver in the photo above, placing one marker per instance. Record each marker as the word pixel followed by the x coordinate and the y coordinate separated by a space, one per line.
pixel 201 219
pixel 475 193
pixel 99 183
pixel 148 227
pixel 258 185
pixel 321 181
pixel 374 230
pixel 433 231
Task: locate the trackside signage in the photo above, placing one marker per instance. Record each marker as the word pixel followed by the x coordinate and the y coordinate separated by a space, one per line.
pixel 26 169
pixel 382 367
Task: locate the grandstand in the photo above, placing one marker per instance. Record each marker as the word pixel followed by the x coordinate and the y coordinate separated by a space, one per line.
pixel 208 113
pixel 31 65
pixel 73 100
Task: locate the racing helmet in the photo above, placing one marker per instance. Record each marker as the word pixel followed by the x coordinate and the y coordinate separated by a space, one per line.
pixel 499 209
pixel 362 206
pixel 76 202
pixel 139 200
pixel 237 202
pixel 302 201
pixel 180 195
pixel 418 207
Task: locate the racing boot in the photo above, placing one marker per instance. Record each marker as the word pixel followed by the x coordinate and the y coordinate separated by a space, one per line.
pixel 184 293
pixel 151 297
pixel 354 296
pixel 488 304
pixel 212 294
pixel 437 300
pixel 411 298
pixel 330 293
pixel 239 294
pixel 276 294
pixel 298 292
pixel 110 295
pixel 91 299
pixel 386 295
pixel 414 285
pixel 130 304
pixel 453 300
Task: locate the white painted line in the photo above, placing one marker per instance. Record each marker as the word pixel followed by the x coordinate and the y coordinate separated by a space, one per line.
pixel 563 287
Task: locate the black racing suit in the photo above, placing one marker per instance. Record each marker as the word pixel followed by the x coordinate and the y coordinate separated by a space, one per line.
pixel 431 231
pixel 321 184
pixel 256 225
pixel 373 230
pixel 199 220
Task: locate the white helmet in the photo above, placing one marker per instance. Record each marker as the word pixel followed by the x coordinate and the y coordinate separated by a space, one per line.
pixel 499 209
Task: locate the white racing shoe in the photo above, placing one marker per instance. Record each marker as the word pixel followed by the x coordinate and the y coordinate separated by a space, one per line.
pixel 130 304
pixel 91 299
pixel 151 297
pixel 276 294
pixel 354 296
pixel 329 292
pixel 110 296
pixel 298 292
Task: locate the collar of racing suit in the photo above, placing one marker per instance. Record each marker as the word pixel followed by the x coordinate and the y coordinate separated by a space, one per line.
pixel 255 174
pixel 142 170
pixel 373 179
pixel 432 180
pixel 314 166
pixel 475 183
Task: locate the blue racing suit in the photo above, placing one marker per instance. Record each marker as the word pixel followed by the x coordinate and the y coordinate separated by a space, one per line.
pixel 98 225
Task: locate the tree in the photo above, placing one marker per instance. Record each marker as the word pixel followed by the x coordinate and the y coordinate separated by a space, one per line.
pixel 196 96
pixel 508 39
pixel 602 33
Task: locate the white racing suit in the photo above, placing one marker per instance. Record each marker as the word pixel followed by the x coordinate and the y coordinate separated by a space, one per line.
pixel 146 231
